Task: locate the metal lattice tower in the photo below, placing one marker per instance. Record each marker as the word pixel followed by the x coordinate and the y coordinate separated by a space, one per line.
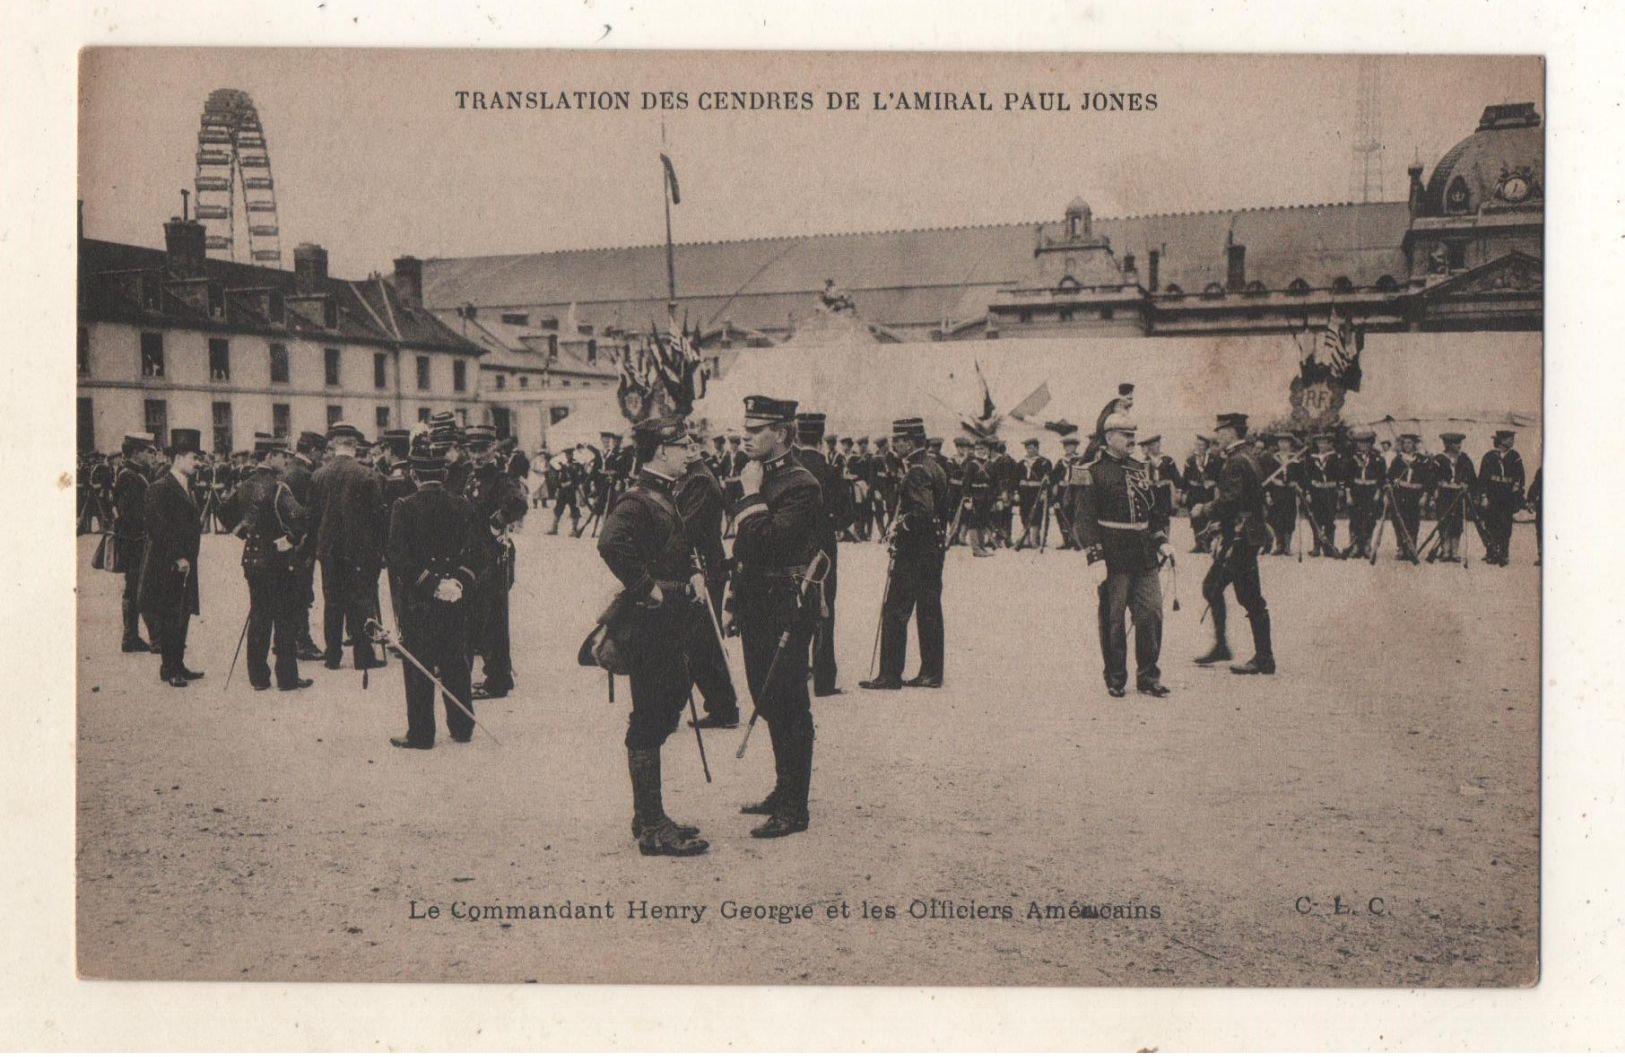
pixel 231 156
pixel 1365 179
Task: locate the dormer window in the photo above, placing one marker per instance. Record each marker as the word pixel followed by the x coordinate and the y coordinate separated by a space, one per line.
pixel 1213 291
pixel 1342 285
pixel 1456 196
pixel 1298 288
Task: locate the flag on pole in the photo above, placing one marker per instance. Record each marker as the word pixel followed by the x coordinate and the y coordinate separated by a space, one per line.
pixel 1340 346
pixel 1035 402
pixel 671 179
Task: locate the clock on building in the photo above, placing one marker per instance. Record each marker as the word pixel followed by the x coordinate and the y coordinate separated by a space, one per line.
pixel 1514 188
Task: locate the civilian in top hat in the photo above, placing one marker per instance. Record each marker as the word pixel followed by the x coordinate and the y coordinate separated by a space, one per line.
pixel 1501 476
pixel 1368 472
pixel 1238 510
pixel 130 530
pixel 347 515
pixel 498 506
pixel 1031 486
pixel 1123 528
pixel 169 576
pixel 777 524
pixel 436 553
pixel 837 512
pixel 1409 479
pixel 699 500
pixel 1454 483
pixel 915 587
pixel 644 545
pixel 271 525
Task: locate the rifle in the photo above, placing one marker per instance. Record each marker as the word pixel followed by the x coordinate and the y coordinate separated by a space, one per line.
pixel 1399 526
pixel 1320 533
pixel 1043 523
pixel 390 641
pixel 817 569
pixel 1439 524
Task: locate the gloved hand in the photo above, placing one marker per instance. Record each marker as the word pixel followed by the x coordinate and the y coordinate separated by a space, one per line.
pixel 1165 553
pixel 448 590
pixel 1097 570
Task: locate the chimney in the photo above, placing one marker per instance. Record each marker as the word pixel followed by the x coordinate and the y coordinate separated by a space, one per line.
pixel 1235 268
pixel 1415 171
pixel 408 280
pixel 184 247
pixel 309 267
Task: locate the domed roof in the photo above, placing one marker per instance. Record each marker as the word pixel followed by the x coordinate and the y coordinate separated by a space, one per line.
pixel 1502 163
pixel 1078 205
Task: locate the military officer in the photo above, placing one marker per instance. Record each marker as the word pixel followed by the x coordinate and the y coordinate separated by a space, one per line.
pixel 809 431
pixel 498 506
pixel 1408 480
pixel 643 543
pixel 1326 475
pixel 1454 483
pixel 169 576
pixel 700 503
pixel 347 515
pixel 954 470
pixel 1122 525
pixel 1122 403
pixel 918 544
pixel 1238 510
pixel 1062 494
pixel 1501 478
pixel 1367 475
pixel 130 530
pixel 1006 474
pixel 307 458
pixel 271 525
pixel 860 468
pixel 1034 472
pixel 777 523
pixel 438 552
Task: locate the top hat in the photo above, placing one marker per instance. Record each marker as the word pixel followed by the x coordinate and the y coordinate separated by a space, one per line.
pixel 182 441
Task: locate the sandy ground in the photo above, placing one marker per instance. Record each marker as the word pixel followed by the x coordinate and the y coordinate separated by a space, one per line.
pixel 266 836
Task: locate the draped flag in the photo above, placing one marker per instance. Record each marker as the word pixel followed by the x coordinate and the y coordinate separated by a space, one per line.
pixel 1340 346
pixel 671 179
pixel 1035 402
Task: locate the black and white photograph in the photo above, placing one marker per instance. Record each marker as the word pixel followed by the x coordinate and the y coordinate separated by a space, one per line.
pixel 809 518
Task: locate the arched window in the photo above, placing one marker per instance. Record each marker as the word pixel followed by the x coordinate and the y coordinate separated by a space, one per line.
pixel 1387 284
pixel 1298 288
pixel 1256 289
pixel 1212 291
pixel 1173 290
pixel 1342 285
pixel 1457 198
pixel 1069 285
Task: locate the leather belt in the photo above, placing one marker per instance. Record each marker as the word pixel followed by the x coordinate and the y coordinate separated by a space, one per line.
pixel 1123 524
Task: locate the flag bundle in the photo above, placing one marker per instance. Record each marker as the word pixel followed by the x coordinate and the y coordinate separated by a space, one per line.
pixel 1340 346
pixel 664 373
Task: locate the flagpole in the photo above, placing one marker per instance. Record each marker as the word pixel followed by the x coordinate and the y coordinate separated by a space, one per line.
pixel 665 198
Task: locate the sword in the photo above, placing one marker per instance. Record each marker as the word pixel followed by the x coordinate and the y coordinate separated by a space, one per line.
pixel 384 637
pixel 234 656
pixel 816 569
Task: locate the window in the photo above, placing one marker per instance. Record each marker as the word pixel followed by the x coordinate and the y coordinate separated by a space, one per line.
pixel 423 372
pixel 1457 198
pixel 592 351
pixel 279 362
pixel 1174 291
pixel 502 381
pixel 1106 313
pixel 423 414
pixel 219 360
pixel 459 375
pixel 552 349
pixel 518 319
pixel 1455 257
pixel 87 424
pixel 152 355
pixel 1066 315
pixel 335 413
pixel 222 426
pixel 1342 285
pixel 1298 288
pixel 1212 291
pixel 330 364
pixel 1026 317
pixel 524 381
pixel 281 420
pixel 84 350
pixel 380 370
pixel 565 383
pixel 156 420
pixel 1256 289
pixel 1387 284
pixel 382 418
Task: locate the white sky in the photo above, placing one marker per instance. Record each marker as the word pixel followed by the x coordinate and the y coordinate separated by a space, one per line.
pixel 372 159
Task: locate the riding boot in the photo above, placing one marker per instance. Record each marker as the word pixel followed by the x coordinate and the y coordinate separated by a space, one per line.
pixel 657 834
pixel 1221 644
pixel 1262 650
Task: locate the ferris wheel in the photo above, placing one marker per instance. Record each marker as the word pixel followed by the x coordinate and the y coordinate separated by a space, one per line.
pixel 231 154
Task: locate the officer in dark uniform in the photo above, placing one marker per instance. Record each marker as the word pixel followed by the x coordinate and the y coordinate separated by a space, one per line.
pixel 1500 475
pixel 438 553
pixel 1034 472
pixel 1326 475
pixel 1006 474
pixel 1367 475
pixel 1122 525
pixel 169 594
pixel 271 524
pixel 130 530
pixel 886 473
pixel 347 515
pixel 643 543
pixel 1062 495
pixel 1122 403
pixel 699 501
pixel 498 506
pixel 307 458
pixel 1239 511
pixel 1409 479
pixel 916 573
pixel 1454 483
pixel 860 469
pixel 777 523
pixel 102 480
pixel 837 511
pixel 954 470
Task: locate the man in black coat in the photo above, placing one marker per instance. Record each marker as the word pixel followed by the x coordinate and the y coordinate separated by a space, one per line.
pixel 837 504
pixel 1239 511
pixel 1409 478
pixel 347 515
pixel 1325 473
pixel 1122 526
pixel 1031 486
pixel 777 522
pixel 1501 476
pixel 498 506
pixel 130 531
pixel 307 458
pixel 436 551
pixel 1454 482
pixel 271 525
pixel 169 576
pixel 699 501
pixel 1367 474
pixel 643 543
pixel 918 545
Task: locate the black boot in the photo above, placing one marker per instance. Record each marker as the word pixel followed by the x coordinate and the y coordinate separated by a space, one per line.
pixel 790 814
pixel 769 804
pixel 657 834
pixel 1263 662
